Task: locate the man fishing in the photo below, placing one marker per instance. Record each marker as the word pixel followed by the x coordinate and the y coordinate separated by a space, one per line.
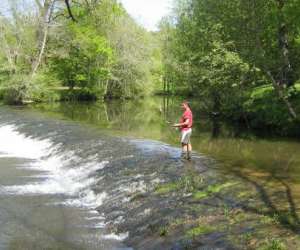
pixel 185 124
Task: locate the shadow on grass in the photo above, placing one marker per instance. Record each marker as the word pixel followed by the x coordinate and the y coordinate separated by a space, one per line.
pixel 287 217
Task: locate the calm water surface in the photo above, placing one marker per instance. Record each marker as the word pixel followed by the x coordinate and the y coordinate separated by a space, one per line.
pixel 151 118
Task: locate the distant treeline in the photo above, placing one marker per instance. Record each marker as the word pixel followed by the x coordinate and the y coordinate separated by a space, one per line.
pixel 92 47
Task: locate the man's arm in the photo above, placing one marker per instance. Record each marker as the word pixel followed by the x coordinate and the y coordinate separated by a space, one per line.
pixel 186 122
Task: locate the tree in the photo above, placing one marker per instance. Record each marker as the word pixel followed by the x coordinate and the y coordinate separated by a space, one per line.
pixel 24 37
pixel 259 34
pixel 45 10
pixel 92 45
pixel 86 59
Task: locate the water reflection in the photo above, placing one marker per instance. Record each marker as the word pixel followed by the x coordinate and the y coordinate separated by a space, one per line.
pixel 150 118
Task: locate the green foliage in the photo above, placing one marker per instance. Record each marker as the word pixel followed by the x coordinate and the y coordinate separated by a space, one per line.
pixel 266 113
pixel 18 48
pixel 131 74
pixel 104 53
pixel 86 60
pixel 14 89
pixel 77 94
pixel 239 57
pixel 224 51
pixel 42 87
pixel 202 62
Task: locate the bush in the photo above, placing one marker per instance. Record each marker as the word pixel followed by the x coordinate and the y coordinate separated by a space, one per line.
pixel 77 95
pixel 14 90
pixel 267 113
pixel 12 96
pixel 42 87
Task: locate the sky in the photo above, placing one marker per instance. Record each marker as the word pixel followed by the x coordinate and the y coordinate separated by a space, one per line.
pixel 147 12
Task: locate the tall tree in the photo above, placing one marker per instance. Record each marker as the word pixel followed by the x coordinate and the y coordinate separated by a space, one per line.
pixel 46 8
pixel 262 34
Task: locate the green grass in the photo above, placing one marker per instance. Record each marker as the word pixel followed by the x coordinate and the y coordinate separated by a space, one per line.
pixel 163 231
pixel 187 183
pixel 200 230
pixel 273 244
pixel 212 189
pixel 167 188
pixel 240 217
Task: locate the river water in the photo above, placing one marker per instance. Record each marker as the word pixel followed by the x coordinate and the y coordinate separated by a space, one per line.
pixel 109 176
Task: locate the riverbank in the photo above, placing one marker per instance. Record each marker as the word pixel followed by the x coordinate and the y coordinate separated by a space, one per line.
pixel 262 112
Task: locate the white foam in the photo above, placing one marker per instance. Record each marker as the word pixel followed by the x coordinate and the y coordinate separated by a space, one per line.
pixel 60 175
pixel 63 172
pixel 89 200
pixel 95 218
pixel 14 144
pixel 98 225
pixel 35 176
pixel 119 237
pixel 61 180
pixel 93 212
pixel 133 187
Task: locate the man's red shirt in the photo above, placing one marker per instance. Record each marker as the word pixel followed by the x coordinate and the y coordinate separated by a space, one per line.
pixel 187 115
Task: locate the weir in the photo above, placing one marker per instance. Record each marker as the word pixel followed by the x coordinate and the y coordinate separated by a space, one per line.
pixel 51 172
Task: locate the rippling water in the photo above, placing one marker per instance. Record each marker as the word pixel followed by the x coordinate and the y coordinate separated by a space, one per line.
pixel 48 171
pixel 84 177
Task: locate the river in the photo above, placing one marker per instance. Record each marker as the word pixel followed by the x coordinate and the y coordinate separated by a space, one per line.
pixel 109 176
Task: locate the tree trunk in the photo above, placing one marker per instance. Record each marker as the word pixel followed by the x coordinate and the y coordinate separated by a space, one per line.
pixel 46 13
pixel 286 69
pixel 280 91
pixel 69 10
pixel 106 89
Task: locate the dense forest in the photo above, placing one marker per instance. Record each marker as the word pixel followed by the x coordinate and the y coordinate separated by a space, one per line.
pixel 239 57
pixel 93 48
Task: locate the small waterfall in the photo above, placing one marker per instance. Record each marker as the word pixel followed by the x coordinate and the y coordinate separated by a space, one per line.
pixel 59 171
